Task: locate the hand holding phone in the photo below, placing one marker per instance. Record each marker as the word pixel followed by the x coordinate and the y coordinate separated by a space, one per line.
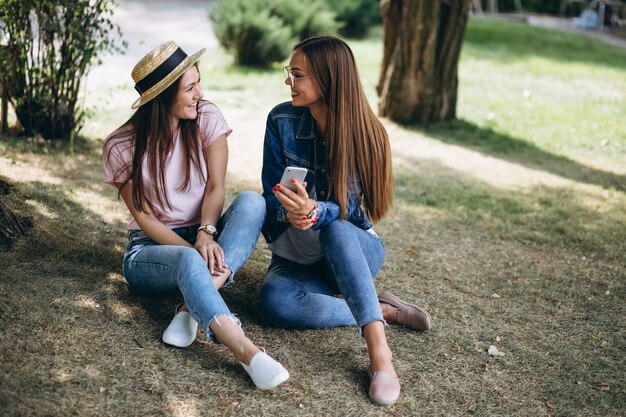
pixel 297 173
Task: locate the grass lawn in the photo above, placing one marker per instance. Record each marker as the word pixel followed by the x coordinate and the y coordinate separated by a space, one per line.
pixel 509 225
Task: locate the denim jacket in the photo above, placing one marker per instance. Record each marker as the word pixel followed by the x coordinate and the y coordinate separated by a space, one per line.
pixel 290 140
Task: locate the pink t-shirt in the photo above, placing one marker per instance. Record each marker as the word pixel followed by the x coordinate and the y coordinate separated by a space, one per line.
pixel 186 204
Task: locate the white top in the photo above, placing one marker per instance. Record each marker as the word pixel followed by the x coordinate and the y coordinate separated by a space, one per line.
pixel 298 246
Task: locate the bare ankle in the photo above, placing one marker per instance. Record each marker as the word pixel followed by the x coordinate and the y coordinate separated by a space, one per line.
pixel 245 351
pixel 379 352
pixel 228 333
pixel 381 360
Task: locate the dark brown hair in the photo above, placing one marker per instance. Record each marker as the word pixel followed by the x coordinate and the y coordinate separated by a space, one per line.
pixel 358 145
pixel 151 137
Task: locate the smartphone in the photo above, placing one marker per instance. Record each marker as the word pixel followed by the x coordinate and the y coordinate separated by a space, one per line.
pixel 297 173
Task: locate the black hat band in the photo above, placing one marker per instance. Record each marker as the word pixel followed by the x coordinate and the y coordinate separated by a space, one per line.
pixel 161 71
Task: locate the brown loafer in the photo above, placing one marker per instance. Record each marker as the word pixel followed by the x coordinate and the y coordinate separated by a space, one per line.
pixel 384 387
pixel 409 315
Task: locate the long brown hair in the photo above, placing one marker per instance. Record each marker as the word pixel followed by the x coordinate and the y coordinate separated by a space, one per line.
pixel 358 145
pixel 151 137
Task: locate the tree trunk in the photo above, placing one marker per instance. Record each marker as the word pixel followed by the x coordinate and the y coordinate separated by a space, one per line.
pixel 4 111
pixel 422 43
pixel 493 6
pixel 4 107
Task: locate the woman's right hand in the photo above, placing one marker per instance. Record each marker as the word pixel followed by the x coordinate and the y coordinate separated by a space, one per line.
pixel 299 221
pixel 211 252
pixel 298 204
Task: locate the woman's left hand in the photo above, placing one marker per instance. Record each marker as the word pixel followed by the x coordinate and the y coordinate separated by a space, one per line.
pixel 298 204
pixel 211 252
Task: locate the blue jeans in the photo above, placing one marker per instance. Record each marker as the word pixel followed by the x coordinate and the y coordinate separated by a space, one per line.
pixel 153 268
pixel 303 296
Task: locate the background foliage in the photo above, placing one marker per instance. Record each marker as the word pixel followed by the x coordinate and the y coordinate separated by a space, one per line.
pixel 260 32
pixel 51 45
pixel 355 16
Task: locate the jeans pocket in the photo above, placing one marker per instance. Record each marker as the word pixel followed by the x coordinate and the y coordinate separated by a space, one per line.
pixel 136 240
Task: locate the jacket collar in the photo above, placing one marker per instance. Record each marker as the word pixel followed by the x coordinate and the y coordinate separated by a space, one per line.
pixel 306 130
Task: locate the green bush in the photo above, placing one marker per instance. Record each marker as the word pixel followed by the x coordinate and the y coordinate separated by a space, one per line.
pixel 260 32
pixel 356 16
pixel 250 33
pixel 305 19
pixel 50 46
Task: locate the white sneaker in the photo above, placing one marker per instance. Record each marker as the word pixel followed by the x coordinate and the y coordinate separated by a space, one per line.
pixel 266 373
pixel 182 330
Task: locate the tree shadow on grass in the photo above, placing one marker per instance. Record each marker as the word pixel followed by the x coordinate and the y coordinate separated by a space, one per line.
pixel 542 215
pixel 541 268
pixel 77 334
pixel 57 288
pixel 79 341
pixel 469 135
pixel 69 240
pixel 78 337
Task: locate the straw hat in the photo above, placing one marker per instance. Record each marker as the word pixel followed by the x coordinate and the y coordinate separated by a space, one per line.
pixel 159 69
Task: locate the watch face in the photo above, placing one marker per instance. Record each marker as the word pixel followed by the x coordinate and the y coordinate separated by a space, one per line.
pixel 209 228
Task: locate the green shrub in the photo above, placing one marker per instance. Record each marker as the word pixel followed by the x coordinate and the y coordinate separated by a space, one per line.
pixel 250 33
pixel 260 32
pixel 50 46
pixel 356 16
pixel 305 19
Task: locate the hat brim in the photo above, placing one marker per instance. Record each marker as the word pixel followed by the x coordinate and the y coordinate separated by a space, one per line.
pixel 159 87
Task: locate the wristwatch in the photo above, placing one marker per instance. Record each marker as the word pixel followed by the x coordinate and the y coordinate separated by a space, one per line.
pixel 209 228
pixel 315 211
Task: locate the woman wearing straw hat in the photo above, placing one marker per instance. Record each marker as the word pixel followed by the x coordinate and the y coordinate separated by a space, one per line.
pixel 320 235
pixel 168 162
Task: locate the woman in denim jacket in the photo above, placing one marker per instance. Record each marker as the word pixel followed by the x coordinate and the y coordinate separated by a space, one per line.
pixel 320 236
pixel 168 162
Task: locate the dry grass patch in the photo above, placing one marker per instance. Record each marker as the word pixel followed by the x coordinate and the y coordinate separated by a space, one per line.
pixel 76 341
